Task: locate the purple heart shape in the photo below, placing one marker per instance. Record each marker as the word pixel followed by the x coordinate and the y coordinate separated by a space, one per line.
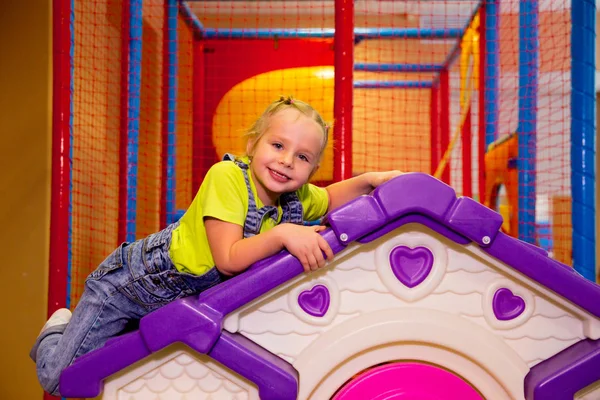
pixel 315 301
pixel 506 305
pixel 411 266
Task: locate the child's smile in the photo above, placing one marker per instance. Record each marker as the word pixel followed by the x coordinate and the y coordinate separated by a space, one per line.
pixel 279 176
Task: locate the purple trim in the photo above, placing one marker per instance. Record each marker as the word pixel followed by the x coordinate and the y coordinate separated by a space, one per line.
pixel 258 280
pixel 356 219
pixel 557 277
pixel 411 266
pixel 471 219
pixel 187 321
pixel 275 378
pixel 415 193
pixel 410 198
pixel 506 305
pixel 564 374
pixel 84 377
pixel 415 219
pixel 315 301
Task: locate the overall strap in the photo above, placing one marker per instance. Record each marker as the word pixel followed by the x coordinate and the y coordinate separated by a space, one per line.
pixel 290 205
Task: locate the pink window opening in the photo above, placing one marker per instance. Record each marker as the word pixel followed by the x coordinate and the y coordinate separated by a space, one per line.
pixel 407 381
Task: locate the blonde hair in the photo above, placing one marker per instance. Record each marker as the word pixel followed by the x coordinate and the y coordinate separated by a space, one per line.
pixel 260 126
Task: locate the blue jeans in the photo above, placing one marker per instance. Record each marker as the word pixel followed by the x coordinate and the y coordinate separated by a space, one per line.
pixel 134 280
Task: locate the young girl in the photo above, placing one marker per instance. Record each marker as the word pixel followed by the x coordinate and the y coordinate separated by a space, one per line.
pixel 246 209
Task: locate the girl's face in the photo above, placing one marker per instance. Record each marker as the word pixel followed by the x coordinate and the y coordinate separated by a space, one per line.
pixel 286 155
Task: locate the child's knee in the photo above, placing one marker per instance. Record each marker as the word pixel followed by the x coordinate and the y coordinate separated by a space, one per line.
pixel 48 379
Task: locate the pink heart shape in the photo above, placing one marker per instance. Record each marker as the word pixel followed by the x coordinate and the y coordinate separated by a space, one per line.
pixel 315 301
pixel 507 305
pixel 411 266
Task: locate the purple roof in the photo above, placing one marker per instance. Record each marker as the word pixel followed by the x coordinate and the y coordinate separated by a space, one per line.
pixel 413 197
pixel 563 375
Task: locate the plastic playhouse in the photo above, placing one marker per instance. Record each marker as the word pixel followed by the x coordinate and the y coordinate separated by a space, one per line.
pixel 426 299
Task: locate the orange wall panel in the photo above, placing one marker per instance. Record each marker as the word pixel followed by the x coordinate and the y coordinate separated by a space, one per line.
pixel 96 126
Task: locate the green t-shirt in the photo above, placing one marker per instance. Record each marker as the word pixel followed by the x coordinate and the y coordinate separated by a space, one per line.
pixel 223 195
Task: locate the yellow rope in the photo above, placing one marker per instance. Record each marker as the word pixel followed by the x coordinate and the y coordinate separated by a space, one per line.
pixel 470 46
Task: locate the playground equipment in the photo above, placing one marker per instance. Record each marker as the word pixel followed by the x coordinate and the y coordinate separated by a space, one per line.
pixel 127 163
pixel 134 130
pixel 425 295
pixel 501 170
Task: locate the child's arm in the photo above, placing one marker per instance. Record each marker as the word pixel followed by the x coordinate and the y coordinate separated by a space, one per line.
pixel 233 254
pixel 342 192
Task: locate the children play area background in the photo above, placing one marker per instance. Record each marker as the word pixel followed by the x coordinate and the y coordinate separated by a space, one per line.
pixel 25 168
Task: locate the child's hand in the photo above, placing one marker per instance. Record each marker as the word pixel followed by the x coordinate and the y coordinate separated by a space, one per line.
pixel 379 178
pixel 305 243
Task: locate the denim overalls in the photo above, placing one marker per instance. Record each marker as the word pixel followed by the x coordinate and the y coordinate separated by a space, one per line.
pixel 134 280
pixel 290 205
